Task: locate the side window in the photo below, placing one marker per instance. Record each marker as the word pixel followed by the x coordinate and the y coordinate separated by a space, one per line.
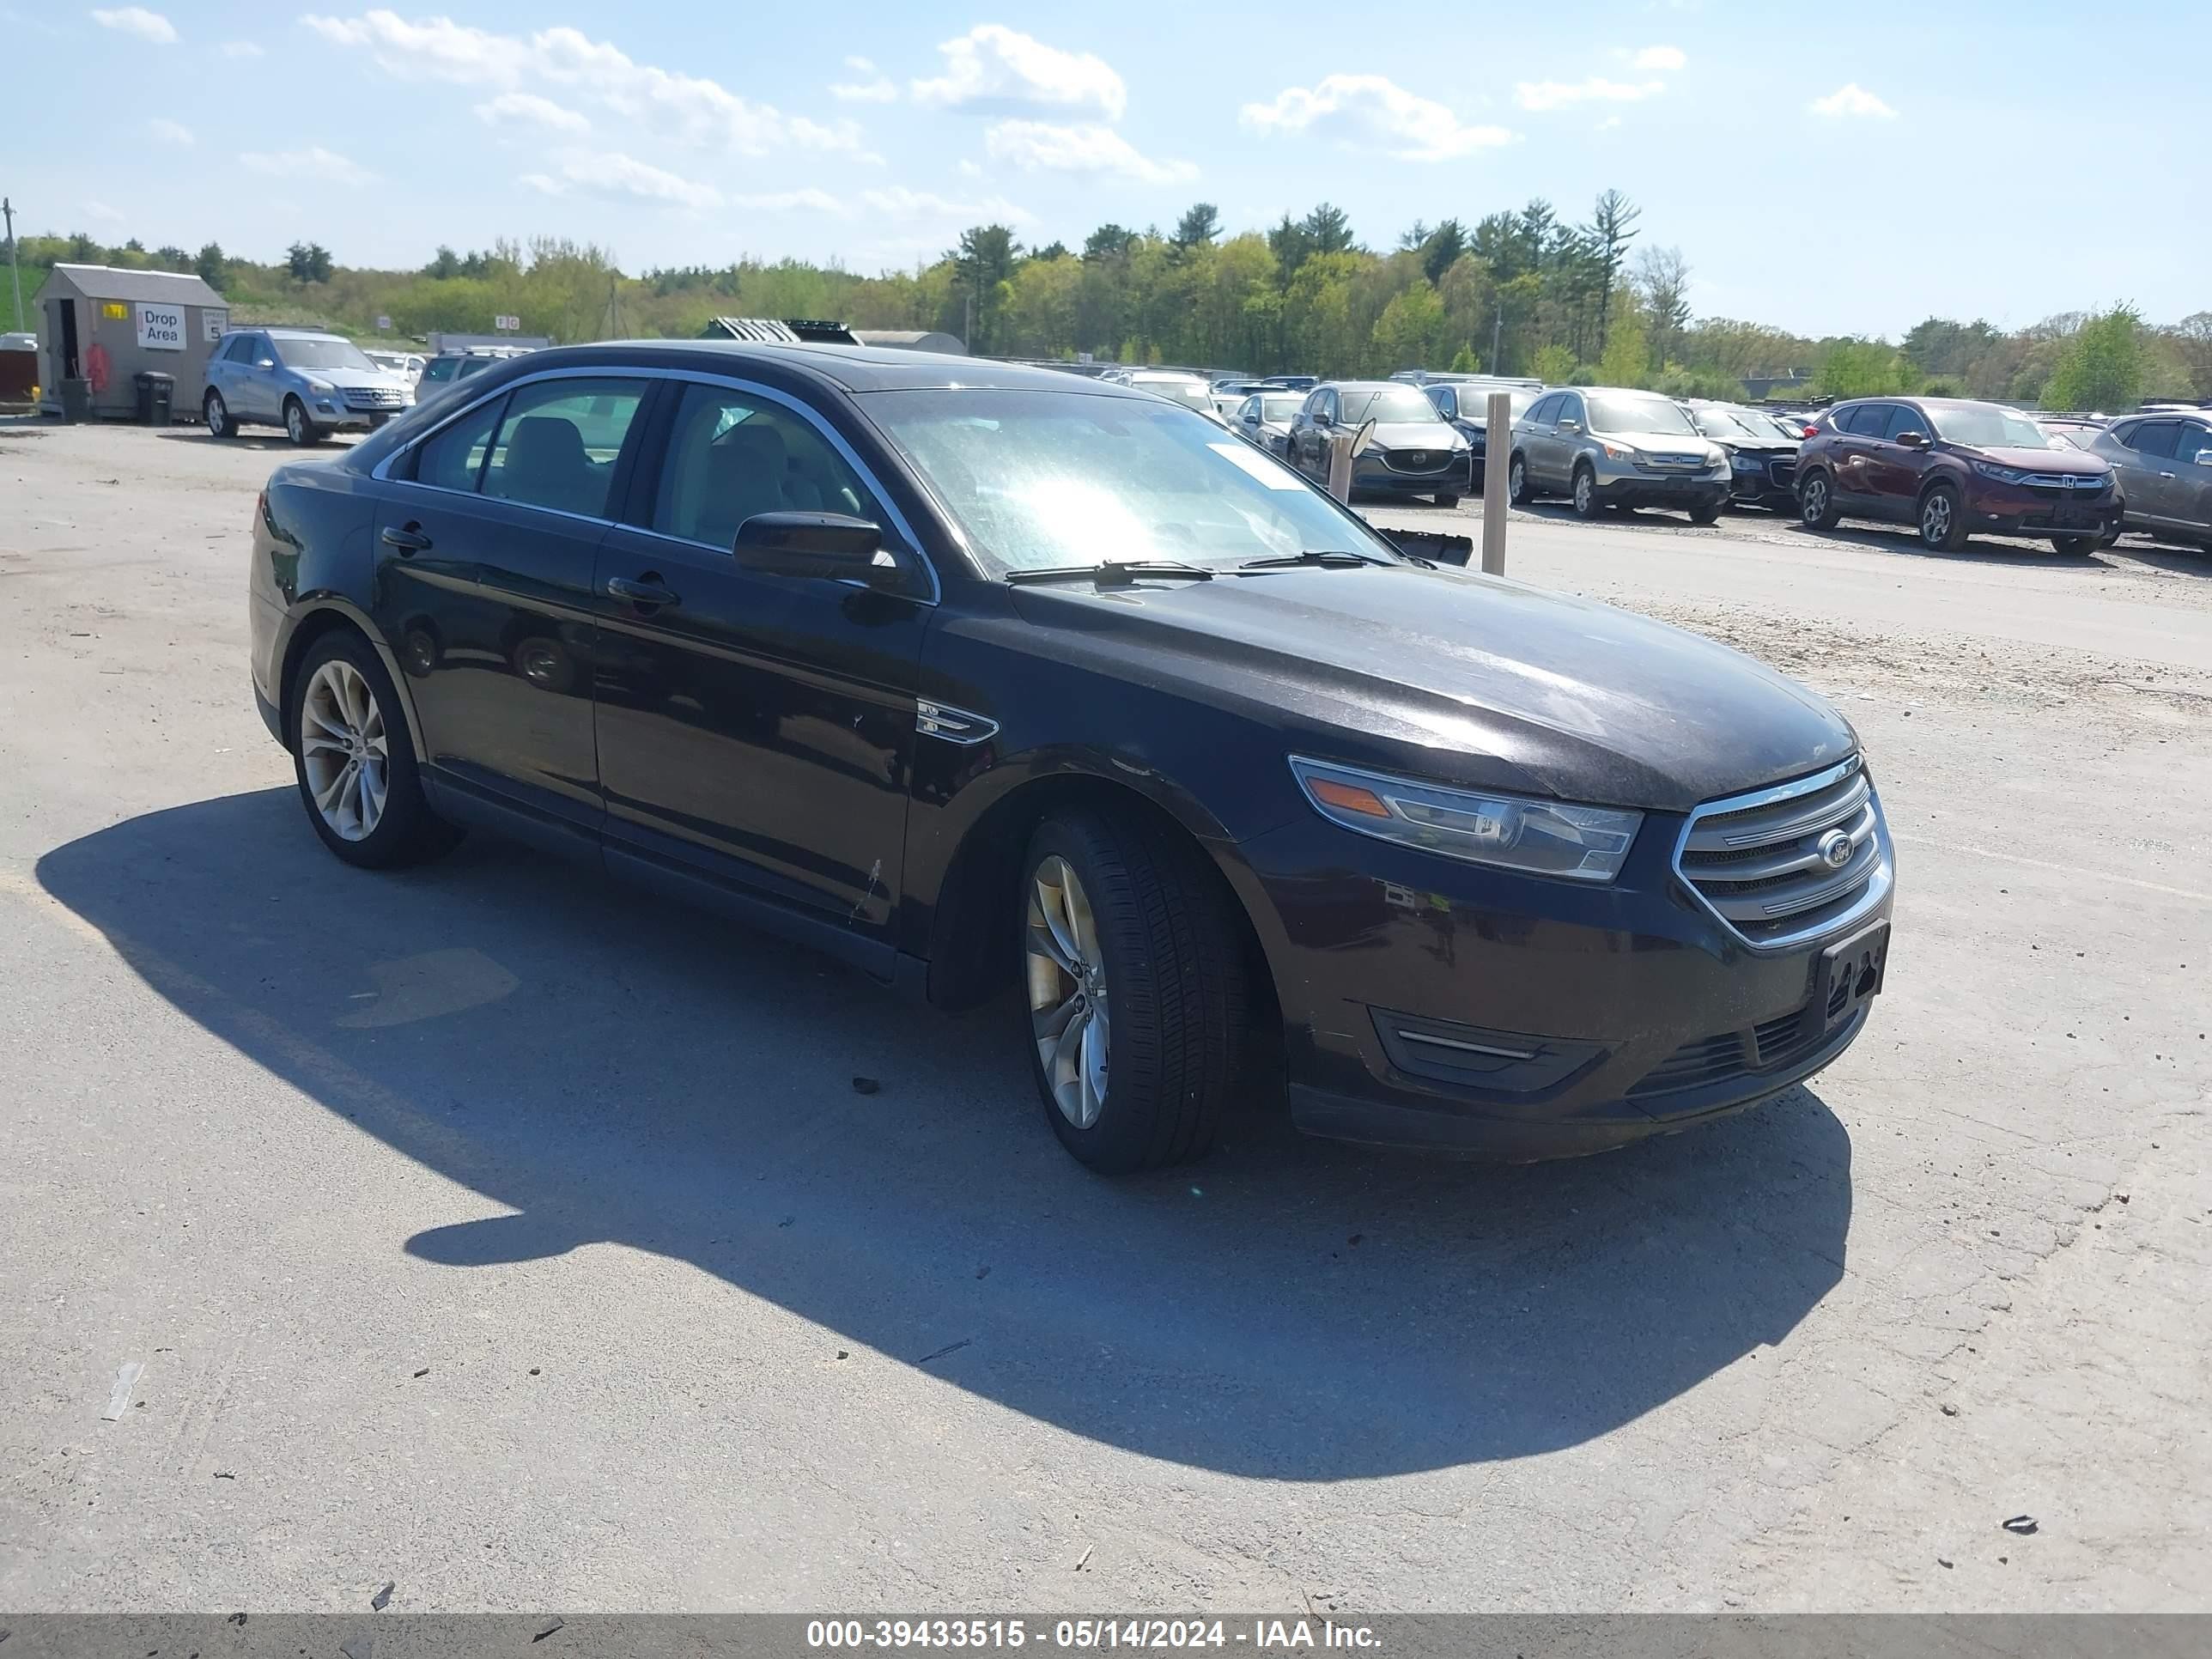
pixel 557 444
pixel 235 349
pixel 732 454
pixel 1447 402
pixel 1571 407
pixel 1546 411
pixel 1329 406
pixel 2155 438
pixel 1862 420
pixel 454 457
pixel 1248 410
pixel 1904 419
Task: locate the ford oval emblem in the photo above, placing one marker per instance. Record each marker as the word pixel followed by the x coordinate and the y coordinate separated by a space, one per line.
pixel 1835 849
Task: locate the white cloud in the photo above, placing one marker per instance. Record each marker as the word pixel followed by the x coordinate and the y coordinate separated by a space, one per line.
pixel 1088 149
pixel 685 108
pixel 784 201
pixel 1852 100
pixel 1562 95
pixel 994 68
pixel 136 20
pixel 614 174
pixel 1608 124
pixel 874 87
pixel 1370 111
pixel 102 211
pixel 313 163
pixel 969 170
pixel 240 49
pixel 899 202
pixel 1664 59
pixel 166 131
pixel 531 109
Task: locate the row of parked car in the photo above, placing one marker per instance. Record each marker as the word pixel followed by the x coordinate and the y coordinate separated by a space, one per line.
pixel 312 384
pixel 1949 467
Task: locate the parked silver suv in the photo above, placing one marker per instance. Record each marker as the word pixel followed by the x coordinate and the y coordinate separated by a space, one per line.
pixel 310 384
pixel 2165 468
pixel 1613 447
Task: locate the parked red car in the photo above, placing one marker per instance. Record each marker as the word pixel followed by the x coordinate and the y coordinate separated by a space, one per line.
pixel 1952 468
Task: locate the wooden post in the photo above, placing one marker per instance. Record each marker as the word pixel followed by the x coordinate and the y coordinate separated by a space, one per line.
pixel 1497 456
pixel 1340 465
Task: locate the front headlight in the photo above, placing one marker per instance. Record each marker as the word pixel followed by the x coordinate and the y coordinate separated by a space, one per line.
pixel 2011 475
pixel 1744 463
pixel 322 387
pixel 1509 832
pixel 1619 452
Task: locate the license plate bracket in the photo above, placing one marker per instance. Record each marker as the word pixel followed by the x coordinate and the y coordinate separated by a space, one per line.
pixel 1847 976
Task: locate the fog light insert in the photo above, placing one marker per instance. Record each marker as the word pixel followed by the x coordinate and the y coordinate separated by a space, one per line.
pixel 1508 1063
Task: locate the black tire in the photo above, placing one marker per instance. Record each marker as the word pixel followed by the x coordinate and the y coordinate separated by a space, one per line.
pixel 302 431
pixel 1517 482
pixel 1585 497
pixel 1942 520
pixel 216 414
pixel 1447 500
pixel 1706 512
pixel 1816 502
pixel 2079 547
pixel 1177 979
pixel 407 832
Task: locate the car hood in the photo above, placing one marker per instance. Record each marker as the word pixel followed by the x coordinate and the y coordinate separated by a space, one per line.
pixel 1777 445
pixel 1413 435
pixel 1465 678
pixel 344 377
pixel 1661 443
pixel 2041 460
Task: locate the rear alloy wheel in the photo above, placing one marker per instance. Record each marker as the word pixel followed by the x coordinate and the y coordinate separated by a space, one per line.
pixel 303 432
pixel 1517 481
pixel 1816 502
pixel 217 414
pixel 355 766
pixel 1586 501
pixel 1135 989
pixel 1942 520
pixel 2080 547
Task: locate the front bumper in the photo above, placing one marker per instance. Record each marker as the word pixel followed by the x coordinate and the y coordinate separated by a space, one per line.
pixel 1770 483
pixel 1429 1003
pixel 2000 509
pixel 1626 487
pixel 1372 477
pixel 335 414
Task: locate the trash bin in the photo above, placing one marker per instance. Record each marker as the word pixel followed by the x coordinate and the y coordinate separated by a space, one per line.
pixel 157 394
pixel 76 400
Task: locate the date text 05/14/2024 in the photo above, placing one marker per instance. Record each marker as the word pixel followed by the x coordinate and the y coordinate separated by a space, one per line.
pixel 1261 1635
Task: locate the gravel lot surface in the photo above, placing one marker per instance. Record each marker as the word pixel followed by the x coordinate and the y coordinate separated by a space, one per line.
pixel 498 1233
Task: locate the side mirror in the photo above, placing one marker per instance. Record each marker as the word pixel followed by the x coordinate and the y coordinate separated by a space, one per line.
pixel 2203 457
pixel 834 546
pixel 1912 440
pixel 265 362
pixel 1570 424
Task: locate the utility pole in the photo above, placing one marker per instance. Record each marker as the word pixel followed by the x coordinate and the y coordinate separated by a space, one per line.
pixel 1496 336
pixel 14 270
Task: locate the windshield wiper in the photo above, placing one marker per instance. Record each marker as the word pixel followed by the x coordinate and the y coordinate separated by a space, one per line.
pixel 1328 558
pixel 1114 573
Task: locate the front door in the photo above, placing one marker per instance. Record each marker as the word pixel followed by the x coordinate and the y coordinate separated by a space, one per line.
pixel 485 542
pixel 2147 469
pixel 1892 471
pixel 2190 495
pixel 756 729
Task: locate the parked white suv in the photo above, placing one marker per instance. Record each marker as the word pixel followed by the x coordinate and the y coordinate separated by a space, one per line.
pixel 312 385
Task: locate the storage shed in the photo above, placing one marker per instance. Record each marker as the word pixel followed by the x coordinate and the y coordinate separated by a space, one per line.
pixel 101 325
pixel 911 339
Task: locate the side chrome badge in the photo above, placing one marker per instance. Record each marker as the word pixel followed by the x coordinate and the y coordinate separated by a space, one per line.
pixel 936 720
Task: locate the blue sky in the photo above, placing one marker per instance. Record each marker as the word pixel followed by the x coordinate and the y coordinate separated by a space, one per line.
pixel 1830 169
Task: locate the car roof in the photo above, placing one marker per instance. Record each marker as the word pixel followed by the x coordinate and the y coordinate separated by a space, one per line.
pixel 846 369
pixel 294 333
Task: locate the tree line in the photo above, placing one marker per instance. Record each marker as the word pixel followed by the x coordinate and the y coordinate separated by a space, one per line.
pixel 1529 292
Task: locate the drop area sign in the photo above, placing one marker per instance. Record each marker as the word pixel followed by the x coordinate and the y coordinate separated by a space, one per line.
pixel 162 328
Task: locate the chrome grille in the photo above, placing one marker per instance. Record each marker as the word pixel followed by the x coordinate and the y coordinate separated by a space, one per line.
pixel 1785 864
pixel 373 396
pixel 1416 460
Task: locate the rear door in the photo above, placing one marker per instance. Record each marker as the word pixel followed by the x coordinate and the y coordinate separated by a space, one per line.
pixel 1856 427
pixel 2149 475
pixel 251 390
pixel 485 542
pixel 2191 496
pixel 757 730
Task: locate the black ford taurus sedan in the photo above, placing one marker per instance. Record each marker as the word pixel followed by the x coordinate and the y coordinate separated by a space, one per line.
pixel 982 676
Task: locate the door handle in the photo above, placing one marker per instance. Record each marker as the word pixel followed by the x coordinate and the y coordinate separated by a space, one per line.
pixel 407 539
pixel 2165 475
pixel 651 590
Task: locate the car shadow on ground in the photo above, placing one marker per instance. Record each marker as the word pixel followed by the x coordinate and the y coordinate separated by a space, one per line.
pixel 253 438
pixel 611 1068
pixel 1902 540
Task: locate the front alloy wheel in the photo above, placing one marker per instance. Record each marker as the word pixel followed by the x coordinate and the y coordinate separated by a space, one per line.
pixel 1067 992
pixel 1942 520
pixel 1585 493
pixel 297 427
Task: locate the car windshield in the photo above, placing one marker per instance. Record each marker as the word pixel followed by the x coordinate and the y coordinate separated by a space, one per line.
pixel 1390 402
pixel 1191 394
pixel 1612 414
pixel 321 354
pixel 1984 426
pixel 1044 479
pixel 1717 420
